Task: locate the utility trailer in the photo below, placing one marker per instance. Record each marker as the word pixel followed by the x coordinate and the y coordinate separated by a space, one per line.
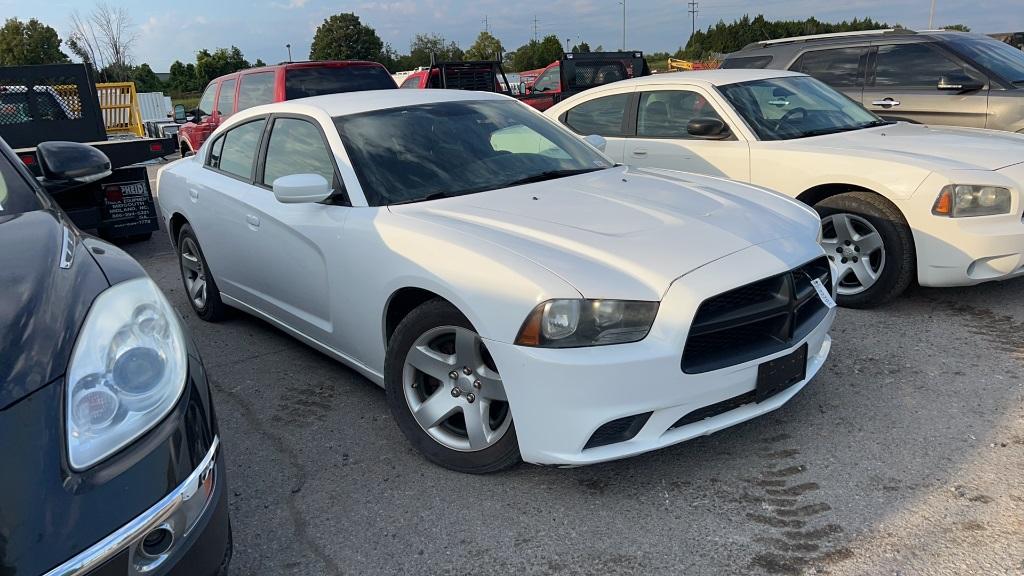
pixel 59 102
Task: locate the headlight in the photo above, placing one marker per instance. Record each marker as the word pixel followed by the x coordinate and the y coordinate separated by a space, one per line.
pixel 959 200
pixel 127 371
pixel 577 323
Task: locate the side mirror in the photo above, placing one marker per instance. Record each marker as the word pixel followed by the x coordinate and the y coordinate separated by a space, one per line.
pixel 301 188
pixel 596 141
pixel 69 164
pixel 707 128
pixel 179 114
pixel 959 84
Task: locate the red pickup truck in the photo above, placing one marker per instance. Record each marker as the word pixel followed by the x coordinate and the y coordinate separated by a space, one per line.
pixel 287 81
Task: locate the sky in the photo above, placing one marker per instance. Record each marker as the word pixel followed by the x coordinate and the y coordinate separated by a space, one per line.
pixel 177 29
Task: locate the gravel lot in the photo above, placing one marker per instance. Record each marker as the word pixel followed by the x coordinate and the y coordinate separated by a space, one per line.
pixel 904 456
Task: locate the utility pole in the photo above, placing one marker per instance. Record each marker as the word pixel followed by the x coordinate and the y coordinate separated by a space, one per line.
pixel 931 17
pixel 568 44
pixel 289 47
pixel 534 27
pixel 486 27
pixel 623 2
pixel 693 16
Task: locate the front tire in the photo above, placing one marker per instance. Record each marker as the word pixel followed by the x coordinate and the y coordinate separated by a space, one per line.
pixel 871 243
pixel 200 286
pixel 445 392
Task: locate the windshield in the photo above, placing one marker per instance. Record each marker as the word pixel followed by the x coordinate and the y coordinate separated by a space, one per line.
pixel 15 194
pixel 305 82
pixel 1002 59
pixel 452 148
pixel 795 107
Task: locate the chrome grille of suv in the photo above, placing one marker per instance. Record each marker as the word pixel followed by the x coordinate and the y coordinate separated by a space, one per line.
pixel 756 320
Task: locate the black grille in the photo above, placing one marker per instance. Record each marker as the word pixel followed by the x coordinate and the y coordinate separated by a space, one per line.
pixel 716 409
pixel 756 320
pixel 468 76
pixel 618 430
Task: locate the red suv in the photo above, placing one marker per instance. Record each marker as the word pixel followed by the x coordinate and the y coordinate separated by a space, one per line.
pixel 254 86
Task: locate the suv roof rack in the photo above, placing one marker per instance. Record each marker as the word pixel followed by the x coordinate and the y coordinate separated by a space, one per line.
pixel 832 35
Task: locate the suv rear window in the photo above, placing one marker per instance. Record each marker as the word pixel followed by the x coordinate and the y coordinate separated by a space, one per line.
pixel 748 62
pixel 304 82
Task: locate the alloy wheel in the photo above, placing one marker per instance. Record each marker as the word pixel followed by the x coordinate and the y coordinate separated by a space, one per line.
pixel 454 391
pixel 857 249
pixel 194 273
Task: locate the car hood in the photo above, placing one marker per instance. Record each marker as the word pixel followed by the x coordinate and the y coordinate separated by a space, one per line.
pixel 934 147
pixel 42 305
pixel 622 232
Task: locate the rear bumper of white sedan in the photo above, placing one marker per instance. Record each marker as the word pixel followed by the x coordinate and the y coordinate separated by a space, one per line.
pixel 586 405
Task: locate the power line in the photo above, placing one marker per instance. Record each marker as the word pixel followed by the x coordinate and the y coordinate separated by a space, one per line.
pixel 693 16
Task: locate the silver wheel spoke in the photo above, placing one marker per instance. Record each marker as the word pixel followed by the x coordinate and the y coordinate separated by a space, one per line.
pixel 198 288
pixel 467 348
pixel 430 362
pixel 490 385
pixel 865 275
pixel 870 243
pixel 435 409
pixel 190 262
pixel 844 227
pixel 478 428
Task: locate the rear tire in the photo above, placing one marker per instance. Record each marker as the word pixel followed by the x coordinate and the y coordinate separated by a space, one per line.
pixel 436 412
pixel 200 286
pixel 867 237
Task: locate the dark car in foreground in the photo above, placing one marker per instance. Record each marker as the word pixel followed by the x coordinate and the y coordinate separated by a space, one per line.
pixel 111 456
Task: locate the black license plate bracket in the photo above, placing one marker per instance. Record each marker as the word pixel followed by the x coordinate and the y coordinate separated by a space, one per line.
pixel 776 375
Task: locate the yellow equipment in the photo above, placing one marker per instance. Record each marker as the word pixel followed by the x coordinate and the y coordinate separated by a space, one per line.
pixel 120 108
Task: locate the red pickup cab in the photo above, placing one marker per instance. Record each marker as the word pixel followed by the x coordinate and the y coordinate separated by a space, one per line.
pixel 254 86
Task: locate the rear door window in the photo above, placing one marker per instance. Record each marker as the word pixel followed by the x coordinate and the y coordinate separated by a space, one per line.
pixel 602 116
pixel 843 67
pixel 305 82
pixel 412 82
pixel 256 89
pixel 238 152
pixel 226 100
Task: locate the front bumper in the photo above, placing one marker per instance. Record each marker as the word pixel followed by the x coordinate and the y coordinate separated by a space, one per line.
pixel 966 251
pixel 194 513
pixel 560 397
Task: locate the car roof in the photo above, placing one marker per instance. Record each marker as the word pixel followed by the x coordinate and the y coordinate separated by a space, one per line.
pixel 348 103
pixel 719 77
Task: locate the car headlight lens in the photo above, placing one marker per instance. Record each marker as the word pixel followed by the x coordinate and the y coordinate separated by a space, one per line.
pixel 127 371
pixel 576 323
pixel 960 200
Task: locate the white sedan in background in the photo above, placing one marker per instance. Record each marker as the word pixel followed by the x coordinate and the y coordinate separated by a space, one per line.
pixel 897 201
pixel 517 294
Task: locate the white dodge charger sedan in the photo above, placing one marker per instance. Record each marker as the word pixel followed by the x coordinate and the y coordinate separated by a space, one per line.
pixel 898 201
pixel 516 293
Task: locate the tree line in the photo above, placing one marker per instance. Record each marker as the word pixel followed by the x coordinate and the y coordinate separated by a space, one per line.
pixel 104 40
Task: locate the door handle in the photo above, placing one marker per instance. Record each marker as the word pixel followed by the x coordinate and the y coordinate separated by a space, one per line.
pixel 886 103
pixel 252 220
pixel 640 152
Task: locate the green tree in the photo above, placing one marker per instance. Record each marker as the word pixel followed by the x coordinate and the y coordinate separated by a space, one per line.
pixel 258 63
pixel 29 42
pixel 425 45
pixel 581 48
pixel 723 38
pixel 535 54
pixel 486 47
pixel 146 80
pixel 344 37
pixel 183 78
pixel 221 61
pixel 958 27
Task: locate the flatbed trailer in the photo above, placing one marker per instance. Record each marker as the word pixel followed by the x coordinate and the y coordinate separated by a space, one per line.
pixel 59 102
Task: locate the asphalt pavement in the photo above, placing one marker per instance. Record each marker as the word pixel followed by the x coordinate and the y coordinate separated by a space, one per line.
pixel 904 456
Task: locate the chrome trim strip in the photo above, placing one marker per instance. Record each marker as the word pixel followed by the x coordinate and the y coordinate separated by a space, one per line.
pixel 131 532
pixel 67 249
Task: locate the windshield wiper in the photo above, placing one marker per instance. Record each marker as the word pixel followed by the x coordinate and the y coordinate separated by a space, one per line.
pixel 875 123
pixel 431 196
pixel 551 175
